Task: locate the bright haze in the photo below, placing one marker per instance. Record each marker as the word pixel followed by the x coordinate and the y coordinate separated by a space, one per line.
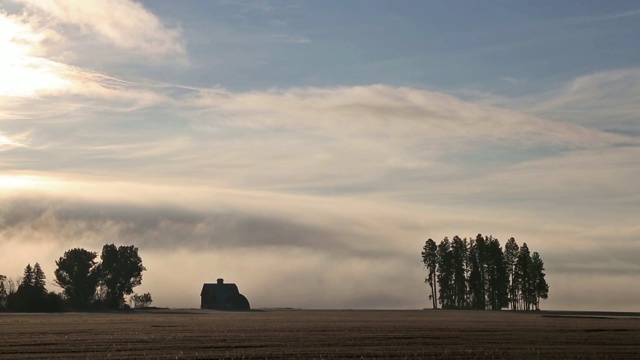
pixel 305 150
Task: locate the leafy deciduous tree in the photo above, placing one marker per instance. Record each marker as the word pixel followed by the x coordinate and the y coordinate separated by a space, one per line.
pixel 120 271
pixel 77 276
pixel 141 301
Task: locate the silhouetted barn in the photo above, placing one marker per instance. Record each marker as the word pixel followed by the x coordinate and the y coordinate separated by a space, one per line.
pixel 221 296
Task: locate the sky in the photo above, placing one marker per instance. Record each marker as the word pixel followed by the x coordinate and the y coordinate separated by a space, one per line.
pixel 306 150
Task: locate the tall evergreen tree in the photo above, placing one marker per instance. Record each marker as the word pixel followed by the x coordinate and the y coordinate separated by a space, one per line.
pixel 445 274
pixel 511 249
pixel 31 292
pixel 538 282
pixel 476 292
pixel 27 277
pixel 39 280
pixel 458 257
pixel 430 261
pixel 481 253
pixel 524 278
pixel 39 290
pixel 497 279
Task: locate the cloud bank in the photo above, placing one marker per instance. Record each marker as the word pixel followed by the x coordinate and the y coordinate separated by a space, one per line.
pixel 319 252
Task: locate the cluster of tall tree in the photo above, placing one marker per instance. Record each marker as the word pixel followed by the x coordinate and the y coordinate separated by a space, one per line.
pixel 85 282
pixel 30 293
pixel 479 274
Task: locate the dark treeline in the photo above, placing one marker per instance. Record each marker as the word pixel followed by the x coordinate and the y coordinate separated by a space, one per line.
pixel 479 274
pixel 86 284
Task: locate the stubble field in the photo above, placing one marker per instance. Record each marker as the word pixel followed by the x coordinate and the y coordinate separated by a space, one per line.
pixel 346 334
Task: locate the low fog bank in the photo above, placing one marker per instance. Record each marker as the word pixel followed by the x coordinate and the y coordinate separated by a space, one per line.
pixel 287 251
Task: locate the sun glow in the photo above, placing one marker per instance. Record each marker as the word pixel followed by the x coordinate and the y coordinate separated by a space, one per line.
pixel 8 182
pixel 22 73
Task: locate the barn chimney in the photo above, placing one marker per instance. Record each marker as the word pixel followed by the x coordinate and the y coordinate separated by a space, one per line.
pixel 220 281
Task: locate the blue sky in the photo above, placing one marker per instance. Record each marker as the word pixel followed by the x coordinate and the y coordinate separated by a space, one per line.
pixel 441 45
pixel 315 145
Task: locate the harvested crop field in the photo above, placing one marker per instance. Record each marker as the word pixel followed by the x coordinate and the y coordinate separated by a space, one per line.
pixel 322 334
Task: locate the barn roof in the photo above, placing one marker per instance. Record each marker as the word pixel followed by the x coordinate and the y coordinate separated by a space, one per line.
pixel 219 289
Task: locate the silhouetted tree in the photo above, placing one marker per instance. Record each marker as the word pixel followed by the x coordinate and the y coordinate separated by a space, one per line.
pixel 430 261
pixel 3 293
pixel 39 280
pixel 478 274
pixel 445 273
pixel 120 271
pixel 31 293
pixel 459 255
pixel 540 286
pixel 52 302
pixel 24 299
pixel 11 285
pixel 78 277
pixel 511 250
pixel 524 278
pixel 141 301
pixel 27 277
pixel 497 279
pixel 476 286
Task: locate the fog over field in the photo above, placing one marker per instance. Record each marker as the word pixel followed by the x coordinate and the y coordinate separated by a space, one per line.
pixel 306 151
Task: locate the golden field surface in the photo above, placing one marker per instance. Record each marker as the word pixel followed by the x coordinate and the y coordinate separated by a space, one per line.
pixel 320 334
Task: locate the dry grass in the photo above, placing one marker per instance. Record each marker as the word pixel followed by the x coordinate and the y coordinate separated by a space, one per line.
pixel 317 334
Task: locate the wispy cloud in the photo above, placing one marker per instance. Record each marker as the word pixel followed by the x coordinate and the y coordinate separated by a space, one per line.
pixel 10 142
pixel 604 100
pixel 603 17
pixel 510 80
pixel 284 38
pixel 123 23
pixel 402 113
pixel 306 138
pixel 248 5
